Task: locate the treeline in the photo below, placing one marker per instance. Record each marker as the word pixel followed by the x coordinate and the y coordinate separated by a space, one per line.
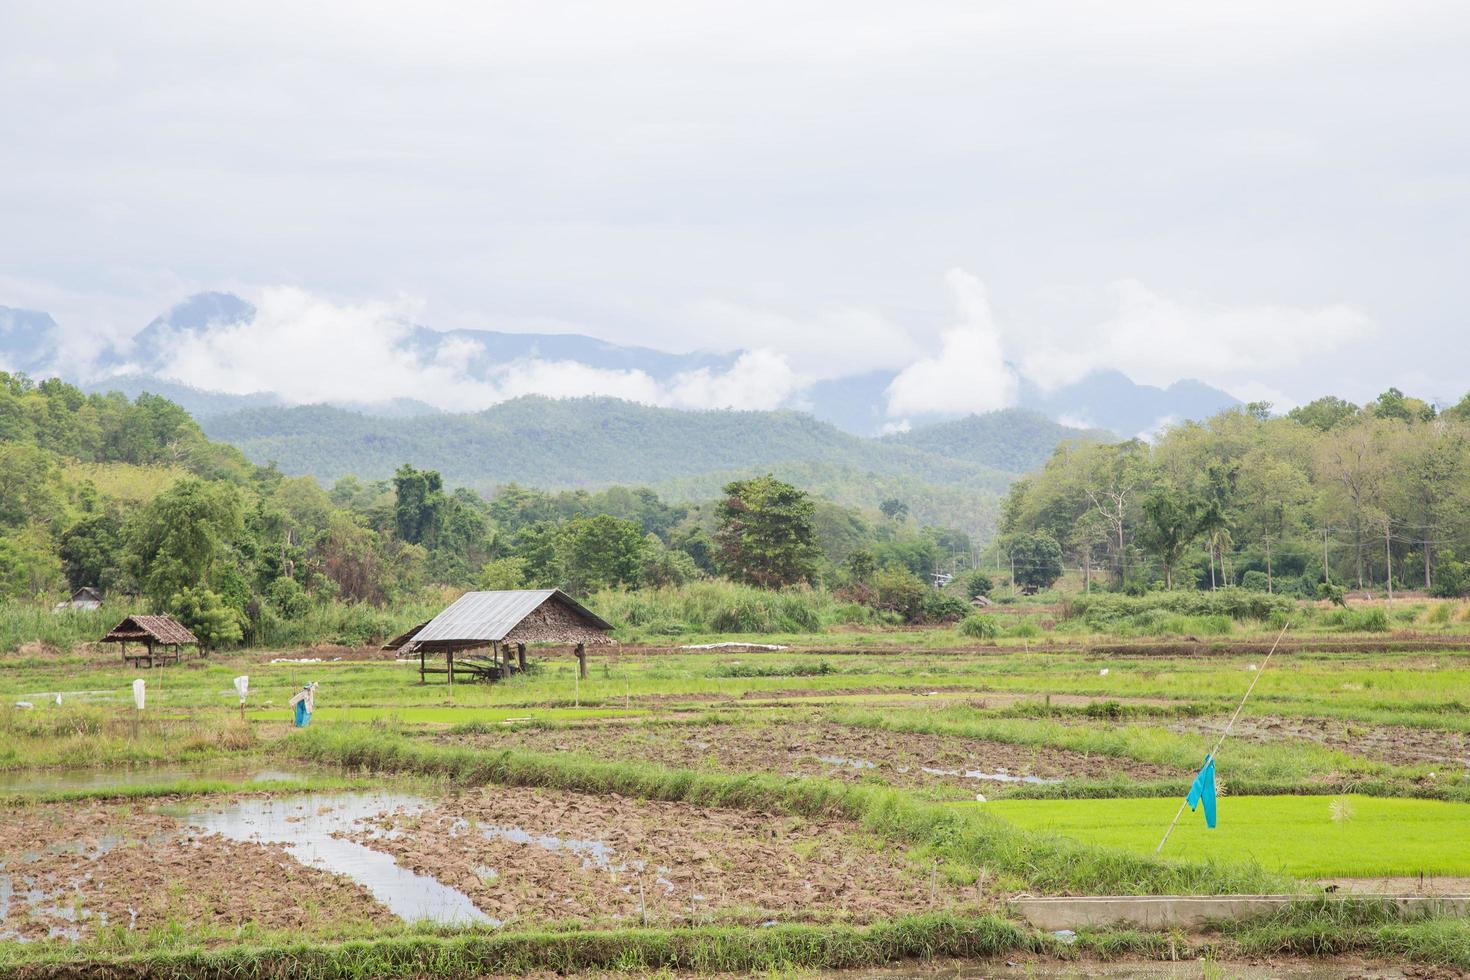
pixel 131 497
pixel 1330 495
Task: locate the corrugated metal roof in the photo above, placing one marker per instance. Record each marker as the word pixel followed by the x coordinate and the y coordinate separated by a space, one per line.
pixel 487 616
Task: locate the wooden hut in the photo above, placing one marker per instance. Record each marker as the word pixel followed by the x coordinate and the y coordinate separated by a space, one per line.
pixel 84 598
pixel 502 623
pixel 163 639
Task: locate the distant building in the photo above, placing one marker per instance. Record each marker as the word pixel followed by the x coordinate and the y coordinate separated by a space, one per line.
pixel 84 598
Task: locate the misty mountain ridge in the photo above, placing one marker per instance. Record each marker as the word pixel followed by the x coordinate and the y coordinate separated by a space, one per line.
pixel 28 342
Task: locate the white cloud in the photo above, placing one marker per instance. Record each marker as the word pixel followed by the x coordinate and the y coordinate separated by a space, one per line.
pixel 1155 339
pixel 829 343
pixel 307 349
pixel 970 373
pixel 1075 421
pixel 1159 427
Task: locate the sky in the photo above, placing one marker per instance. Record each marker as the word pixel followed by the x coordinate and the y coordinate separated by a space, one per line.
pixel 1270 197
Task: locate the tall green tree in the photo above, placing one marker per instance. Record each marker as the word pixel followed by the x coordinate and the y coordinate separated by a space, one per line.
pixel 176 541
pixel 418 504
pixel 1171 524
pixel 599 552
pixel 766 533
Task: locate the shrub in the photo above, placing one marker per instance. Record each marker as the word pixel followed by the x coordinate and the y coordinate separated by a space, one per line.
pixel 207 616
pixel 1254 581
pixel 979 626
pixel 1122 613
pixel 288 598
pixel 1359 620
pixel 940 607
pixel 977 583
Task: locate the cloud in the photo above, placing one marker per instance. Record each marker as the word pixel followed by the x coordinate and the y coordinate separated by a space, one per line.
pixel 970 373
pixel 307 349
pixel 829 343
pixel 1155 339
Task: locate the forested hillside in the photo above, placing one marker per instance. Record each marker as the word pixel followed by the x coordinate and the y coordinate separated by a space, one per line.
pixel 592 442
pixel 132 498
pixel 1331 494
pixel 1015 440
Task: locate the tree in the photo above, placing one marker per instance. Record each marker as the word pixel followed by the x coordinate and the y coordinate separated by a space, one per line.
pixel 861 565
pixel 418 504
pixel 1324 413
pixel 599 552
pixel 92 552
pixel 175 542
pixel 1038 559
pixel 894 509
pixel 1171 524
pixel 503 574
pixel 208 617
pixel 977 583
pixel 766 534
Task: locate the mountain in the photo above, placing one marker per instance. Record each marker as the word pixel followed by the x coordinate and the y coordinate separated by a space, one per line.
pixel 1111 400
pixel 1016 440
pixel 856 404
pixel 1104 400
pixel 28 339
pixel 592 442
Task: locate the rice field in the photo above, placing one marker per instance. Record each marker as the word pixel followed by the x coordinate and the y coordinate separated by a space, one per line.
pixel 853 799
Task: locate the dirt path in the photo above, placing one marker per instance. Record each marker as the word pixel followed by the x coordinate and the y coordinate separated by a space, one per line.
pixel 529 855
pixel 68 869
pixel 804 748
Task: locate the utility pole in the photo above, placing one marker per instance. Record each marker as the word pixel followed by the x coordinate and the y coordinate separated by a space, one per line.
pixel 1388 557
pixel 1326 575
pixel 1268 564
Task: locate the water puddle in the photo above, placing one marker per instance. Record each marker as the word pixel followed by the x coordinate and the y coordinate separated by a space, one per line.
pixel 837 760
pixel 313 830
pixel 65 780
pixel 999 777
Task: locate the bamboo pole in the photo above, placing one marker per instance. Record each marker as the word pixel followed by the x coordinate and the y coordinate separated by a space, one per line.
pixel 1228 726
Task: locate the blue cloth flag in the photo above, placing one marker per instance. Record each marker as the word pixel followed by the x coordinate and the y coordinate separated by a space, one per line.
pixel 1203 790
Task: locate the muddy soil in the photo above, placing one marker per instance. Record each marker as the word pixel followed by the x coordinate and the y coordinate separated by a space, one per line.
pixel 535 855
pixel 806 748
pixel 69 869
pixel 1393 744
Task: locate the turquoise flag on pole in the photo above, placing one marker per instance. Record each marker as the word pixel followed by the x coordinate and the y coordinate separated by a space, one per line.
pixel 1203 791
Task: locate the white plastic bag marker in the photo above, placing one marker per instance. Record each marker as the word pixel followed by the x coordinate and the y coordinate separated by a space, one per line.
pixel 138 693
pixel 242 685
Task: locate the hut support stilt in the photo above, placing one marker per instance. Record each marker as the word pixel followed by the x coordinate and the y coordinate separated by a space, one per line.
pixel 582 660
pixel 521 656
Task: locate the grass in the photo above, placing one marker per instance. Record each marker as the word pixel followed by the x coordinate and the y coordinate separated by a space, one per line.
pixel 1302 836
pixel 374 720
pixel 962 838
pixel 478 954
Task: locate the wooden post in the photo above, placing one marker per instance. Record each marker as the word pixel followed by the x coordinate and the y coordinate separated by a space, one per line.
pixel 449 665
pixel 521 656
pixel 421 666
pixel 582 660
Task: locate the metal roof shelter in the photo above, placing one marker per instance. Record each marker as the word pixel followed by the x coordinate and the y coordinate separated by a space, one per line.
pixel 499 621
pixel 152 632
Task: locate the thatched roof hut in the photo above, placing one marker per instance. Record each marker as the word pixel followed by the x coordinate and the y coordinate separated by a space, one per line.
pixel 153 632
pixel 499 621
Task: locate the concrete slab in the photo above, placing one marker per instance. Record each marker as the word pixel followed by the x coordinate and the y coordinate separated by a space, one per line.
pixel 1187 911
